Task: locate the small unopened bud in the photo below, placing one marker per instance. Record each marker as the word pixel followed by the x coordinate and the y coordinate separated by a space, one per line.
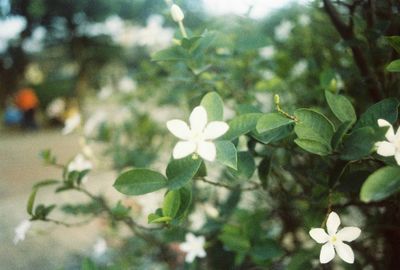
pixel 177 13
pixel 276 99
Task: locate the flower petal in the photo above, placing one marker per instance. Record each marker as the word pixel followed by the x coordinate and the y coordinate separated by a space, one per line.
pixel 319 235
pixel 345 252
pixel 333 222
pixel 327 253
pixel 179 128
pixel 215 129
pixel 198 119
pixel 385 148
pixel 207 150
pixel 397 157
pixel 183 149
pixel 390 136
pixel 348 234
pixel 190 256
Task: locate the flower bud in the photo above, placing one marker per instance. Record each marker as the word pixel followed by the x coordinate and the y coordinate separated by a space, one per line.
pixel 276 99
pixel 176 13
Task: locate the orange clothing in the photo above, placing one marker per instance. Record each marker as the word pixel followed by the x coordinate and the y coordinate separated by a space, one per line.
pixel 26 99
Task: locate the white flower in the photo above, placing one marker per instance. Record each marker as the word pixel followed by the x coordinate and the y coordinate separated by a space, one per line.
pixel 197 138
pixel 105 92
pixel 176 13
pixel 194 247
pixel 21 230
pixel 56 108
pixel 99 247
pixel 126 85
pixel 333 240
pixel 79 164
pixel 391 147
pixel 282 31
pixel 94 122
pixel 299 68
pixel 267 52
pixel 71 123
pixel 304 20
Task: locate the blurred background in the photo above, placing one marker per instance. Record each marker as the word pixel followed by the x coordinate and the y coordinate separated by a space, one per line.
pixel 60 59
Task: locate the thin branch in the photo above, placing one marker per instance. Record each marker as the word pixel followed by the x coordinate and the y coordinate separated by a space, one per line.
pixel 66 224
pixel 230 187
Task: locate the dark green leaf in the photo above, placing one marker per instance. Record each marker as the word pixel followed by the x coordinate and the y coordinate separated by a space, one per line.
pixel 186 200
pixel 175 53
pixel 358 144
pixel 386 109
pixel 266 250
pixel 180 171
pixel 272 121
pixel 139 181
pixel 394 66
pixel 263 171
pixel 241 125
pixel 314 147
pixel 31 201
pixel 394 41
pixel 340 132
pixel 226 153
pixel 245 166
pixel 381 184
pixel 214 106
pixel 341 107
pixel 172 201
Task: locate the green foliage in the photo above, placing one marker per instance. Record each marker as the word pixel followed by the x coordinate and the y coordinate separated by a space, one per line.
pixel 271 122
pixel 180 171
pixel 386 109
pixel 140 181
pixel 172 202
pixel 214 106
pixel 381 184
pixel 341 107
pixel 227 154
pixel 241 125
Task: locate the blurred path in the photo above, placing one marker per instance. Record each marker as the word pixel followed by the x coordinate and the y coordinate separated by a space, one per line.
pixel 46 246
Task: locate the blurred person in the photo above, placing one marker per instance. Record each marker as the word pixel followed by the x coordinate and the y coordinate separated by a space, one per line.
pixel 12 115
pixel 55 111
pixel 27 102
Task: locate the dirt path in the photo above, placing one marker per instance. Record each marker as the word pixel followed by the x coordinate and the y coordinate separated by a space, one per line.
pixel 46 246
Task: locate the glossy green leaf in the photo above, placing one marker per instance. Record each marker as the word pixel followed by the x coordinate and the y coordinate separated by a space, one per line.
pixel 175 53
pixel 186 200
pixel 214 106
pixel 180 171
pixel 381 184
pixel 31 201
pixel 394 66
pixel 241 125
pixel 394 41
pixel 226 153
pixel 267 249
pixel 272 121
pixel 172 201
pixel 358 144
pixel 386 109
pixel 273 135
pixel 154 218
pixel 340 132
pixel 314 147
pixel 245 166
pixel 341 107
pixel 139 181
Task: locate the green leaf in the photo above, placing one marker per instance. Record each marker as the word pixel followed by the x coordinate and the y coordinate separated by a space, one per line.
pixel 386 109
pixel 394 41
pixel 340 132
pixel 358 144
pixel 381 184
pixel 245 166
pixel 190 43
pixel 180 171
pixel 272 121
pixel 326 77
pixel 31 201
pixel 341 107
pixel 88 264
pixel 214 106
pixel 274 135
pixel 226 153
pixel 314 131
pixel 139 181
pixel 171 203
pixel 186 200
pixel 234 239
pixel 175 53
pixel 266 250
pixel 46 183
pixel 241 125
pixel 154 218
pixel 301 260
pixel 314 147
pixel 394 66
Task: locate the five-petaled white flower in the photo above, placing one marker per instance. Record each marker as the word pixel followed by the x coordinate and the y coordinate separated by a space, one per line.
pixel 100 247
pixel 71 123
pixel 79 163
pixel 194 247
pixel 391 147
pixel 197 138
pixel 333 240
pixel 21 230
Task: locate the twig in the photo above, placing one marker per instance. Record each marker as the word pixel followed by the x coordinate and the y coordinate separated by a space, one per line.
pixel 236 187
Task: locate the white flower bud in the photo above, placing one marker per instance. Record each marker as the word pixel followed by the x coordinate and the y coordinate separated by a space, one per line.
pixel 177 13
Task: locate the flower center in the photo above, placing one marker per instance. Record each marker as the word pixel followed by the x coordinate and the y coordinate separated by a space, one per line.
pixel 333 239
pixel 197 136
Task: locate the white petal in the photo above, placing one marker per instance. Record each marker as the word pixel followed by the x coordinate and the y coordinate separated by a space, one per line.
pixel 390 133
pixel 198 119
pixel 190 257
pixel 327 253
pixel 397 157
pixel 179 128
pixel 385 148
pixel 185 247
pixel 215 129
pixel 183 149
pixel 319 235
pixel 348 234
pixel 207 151
pixel 345 252
pixel 201 253
pixel 332 224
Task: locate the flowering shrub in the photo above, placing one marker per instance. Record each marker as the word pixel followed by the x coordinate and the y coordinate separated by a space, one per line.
pixel 263 169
